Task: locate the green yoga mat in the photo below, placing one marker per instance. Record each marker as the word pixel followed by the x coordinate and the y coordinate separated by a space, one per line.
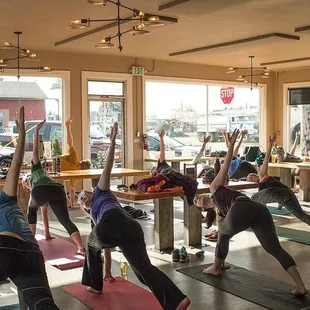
pixel 251 286
pixel 10 307
pixel 292 234
pixel 275 211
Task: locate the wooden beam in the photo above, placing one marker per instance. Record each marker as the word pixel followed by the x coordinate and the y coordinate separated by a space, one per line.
pixel 171 4
pixel 241 41
pixel 278 62
pixel 301 29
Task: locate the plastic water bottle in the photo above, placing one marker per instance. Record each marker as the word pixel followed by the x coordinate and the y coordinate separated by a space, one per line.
pixel 124 267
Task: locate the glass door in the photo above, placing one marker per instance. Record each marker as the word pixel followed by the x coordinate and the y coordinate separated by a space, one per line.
pixel 102 115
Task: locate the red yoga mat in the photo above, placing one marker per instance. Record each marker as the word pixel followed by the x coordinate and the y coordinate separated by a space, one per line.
pixel 60 253
pixel 119 295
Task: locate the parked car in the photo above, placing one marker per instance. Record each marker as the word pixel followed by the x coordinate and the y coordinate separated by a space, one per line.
pixel 99 143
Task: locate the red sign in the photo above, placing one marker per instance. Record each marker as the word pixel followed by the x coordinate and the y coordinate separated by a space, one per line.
pixel 227 94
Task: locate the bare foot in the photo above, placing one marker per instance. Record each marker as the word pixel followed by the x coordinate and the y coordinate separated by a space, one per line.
pixel 212 271
pixel 300 292
pixel 226 266
pixel 49 237
pixel 92 290
pixel 183 305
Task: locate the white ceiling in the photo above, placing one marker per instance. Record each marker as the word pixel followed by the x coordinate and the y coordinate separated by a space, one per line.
pixel 200 23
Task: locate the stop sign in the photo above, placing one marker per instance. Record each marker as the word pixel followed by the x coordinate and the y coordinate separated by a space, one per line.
pixel 227 94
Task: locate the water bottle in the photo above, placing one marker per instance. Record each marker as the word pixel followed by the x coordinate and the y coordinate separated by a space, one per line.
pixel 124 267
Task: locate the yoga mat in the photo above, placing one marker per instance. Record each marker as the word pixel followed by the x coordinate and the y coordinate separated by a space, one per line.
pixel 10 307
pixel 60 253
pixel 119 295
pixel 251 286
pixel 275 211
pixel 293 234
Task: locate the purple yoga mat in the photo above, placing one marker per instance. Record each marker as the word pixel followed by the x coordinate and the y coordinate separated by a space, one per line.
pixel 60 253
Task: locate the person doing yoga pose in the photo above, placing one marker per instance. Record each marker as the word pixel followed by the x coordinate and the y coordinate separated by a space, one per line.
pixel 115 227
pixel 241 213
pixel 20 257
pixel 271 190
pixel 46 191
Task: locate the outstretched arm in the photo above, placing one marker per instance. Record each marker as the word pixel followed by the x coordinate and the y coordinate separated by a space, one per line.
pixel 104 182
pixel 292 151
pixel 162 156
pixel 226 137
pixel 35 153
pixel 263 171
pixel 69 132
pixel 107 266
pixel 199 155
pixel 221 177
pixel 11 181
pixel 243 134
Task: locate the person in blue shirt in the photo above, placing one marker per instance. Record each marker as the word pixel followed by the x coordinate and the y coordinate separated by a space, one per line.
pixel 20 257
pixel 115 227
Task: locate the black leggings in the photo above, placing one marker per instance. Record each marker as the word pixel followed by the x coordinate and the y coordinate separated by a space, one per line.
pixel 23 263
pixel 56 198
pixel 285 197
pixel 243 170
pixel 243 214
pixel 118 228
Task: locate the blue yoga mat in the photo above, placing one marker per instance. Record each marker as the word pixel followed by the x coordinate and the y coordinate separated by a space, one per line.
pixel 10 307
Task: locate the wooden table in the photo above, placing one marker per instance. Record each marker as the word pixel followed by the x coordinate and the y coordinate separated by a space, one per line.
pixel 286 176
pixel 23 196
pixel 163 213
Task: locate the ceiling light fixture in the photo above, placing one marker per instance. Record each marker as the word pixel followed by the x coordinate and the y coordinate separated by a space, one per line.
pixel 244 77
pixel 138 29
pixel 22 53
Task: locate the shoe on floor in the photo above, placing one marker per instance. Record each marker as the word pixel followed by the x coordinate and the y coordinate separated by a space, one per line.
pixel 213 237
pixel 175 255
pixel 183 255
pixel 210 233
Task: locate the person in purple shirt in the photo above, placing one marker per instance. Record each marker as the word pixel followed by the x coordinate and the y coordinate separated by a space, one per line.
pixel 115 227
pixel 20 257
pixel 241 213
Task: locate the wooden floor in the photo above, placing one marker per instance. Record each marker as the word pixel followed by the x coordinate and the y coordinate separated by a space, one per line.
pixel 245 251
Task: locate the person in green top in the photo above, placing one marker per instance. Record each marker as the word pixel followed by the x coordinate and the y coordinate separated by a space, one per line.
pixel 46 191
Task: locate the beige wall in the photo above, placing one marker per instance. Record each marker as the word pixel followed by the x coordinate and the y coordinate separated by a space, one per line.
pixel 76 63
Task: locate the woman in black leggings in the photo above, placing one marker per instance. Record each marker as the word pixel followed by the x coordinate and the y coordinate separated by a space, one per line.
pixel 46 191
pixel 241 213
pixel 20 257
pixel 115 227
pixel 271 190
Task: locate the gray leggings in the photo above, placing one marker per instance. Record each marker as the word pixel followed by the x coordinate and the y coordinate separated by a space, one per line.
pixel 285 197
pixel 243 214
pixel 55 197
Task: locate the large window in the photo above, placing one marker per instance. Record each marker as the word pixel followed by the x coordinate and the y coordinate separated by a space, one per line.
pixel 42 99
pixel 189 112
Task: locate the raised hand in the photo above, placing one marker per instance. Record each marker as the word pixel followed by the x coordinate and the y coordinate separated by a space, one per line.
pixel 162 134
pixel 114 132
pixel 68 121
pixel 273 138
pixel 40 125
pixel 244 132
pixel 206 140
pixel 233 137
pixel 20 124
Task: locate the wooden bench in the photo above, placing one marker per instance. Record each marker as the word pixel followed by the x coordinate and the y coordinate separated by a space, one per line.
pixel 163 212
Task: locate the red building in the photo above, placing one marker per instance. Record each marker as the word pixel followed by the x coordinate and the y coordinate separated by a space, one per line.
pixel 13 95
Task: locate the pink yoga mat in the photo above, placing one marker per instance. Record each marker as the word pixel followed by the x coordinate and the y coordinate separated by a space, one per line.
pixel 60 253
pixel 119 295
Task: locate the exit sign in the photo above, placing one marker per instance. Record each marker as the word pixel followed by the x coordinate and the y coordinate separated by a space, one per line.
pixel 137 71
